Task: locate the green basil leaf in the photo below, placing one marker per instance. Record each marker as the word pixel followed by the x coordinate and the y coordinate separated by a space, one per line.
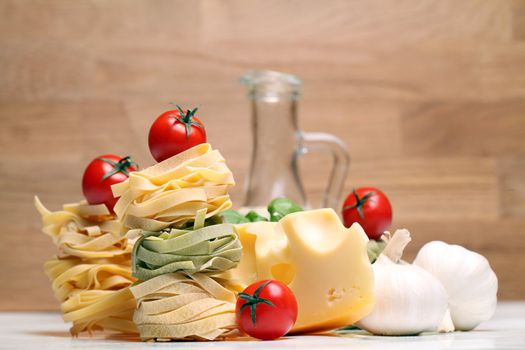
pixel 254 217
pixel 233 217
pixel 280 207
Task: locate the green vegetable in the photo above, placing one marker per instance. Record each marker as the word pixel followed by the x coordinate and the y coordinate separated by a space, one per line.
pixel 374 248
pixel 280 207
pixel 254 217
pixel 233 217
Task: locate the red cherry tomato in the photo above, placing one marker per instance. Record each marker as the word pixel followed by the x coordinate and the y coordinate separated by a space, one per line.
pixel 103 172
pixel 174 132
pixel 266 310
pixel 370 208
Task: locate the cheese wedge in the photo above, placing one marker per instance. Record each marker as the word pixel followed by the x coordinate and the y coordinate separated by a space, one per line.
pixel 325 264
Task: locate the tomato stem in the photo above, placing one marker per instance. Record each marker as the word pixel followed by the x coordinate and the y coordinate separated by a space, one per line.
pixel 253 300
pixel 359 202
pixel 118 167
pixel 186 118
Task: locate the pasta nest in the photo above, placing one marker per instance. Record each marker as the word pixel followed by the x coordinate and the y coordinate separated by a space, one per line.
pixel 170 193
pixel 91 271
pixel 179 306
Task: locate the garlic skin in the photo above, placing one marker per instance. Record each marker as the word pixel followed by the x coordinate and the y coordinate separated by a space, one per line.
pixel 470 283
pixel 409 300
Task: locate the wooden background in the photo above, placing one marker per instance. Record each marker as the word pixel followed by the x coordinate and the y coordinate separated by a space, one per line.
pixel 429 96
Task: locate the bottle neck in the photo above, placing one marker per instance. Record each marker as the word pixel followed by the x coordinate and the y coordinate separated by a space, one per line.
pixel 274 125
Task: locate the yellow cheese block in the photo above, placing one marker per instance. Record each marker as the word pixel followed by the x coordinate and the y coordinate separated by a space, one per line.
pixel 325 264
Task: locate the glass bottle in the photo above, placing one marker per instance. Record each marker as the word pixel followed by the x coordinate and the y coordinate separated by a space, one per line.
pixel 278 143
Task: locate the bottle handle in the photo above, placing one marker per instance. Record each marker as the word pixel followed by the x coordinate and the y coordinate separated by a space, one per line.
pixel 332 145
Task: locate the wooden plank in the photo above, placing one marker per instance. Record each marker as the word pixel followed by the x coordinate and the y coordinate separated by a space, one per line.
pixel 469 129
pixel 343 21
pixel 472 58
pixel 370 128
pixel 420 188
pixel 262 21
pixel 67 131
pixel 93 22
pixel 457 71
pixel 512 187
pixel 518 20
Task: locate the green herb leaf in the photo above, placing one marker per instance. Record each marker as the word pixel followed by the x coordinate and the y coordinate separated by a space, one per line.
pixel 280 207
pixel 374 249
pixel 254 217
pixel 233 217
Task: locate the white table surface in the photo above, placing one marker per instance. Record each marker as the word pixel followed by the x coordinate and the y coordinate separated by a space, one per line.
pixel 44 331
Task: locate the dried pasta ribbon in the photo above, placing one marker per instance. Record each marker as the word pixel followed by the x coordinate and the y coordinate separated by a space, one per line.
pixel 92 271
pixel 211 249
pixel 72 275
pixel 77 230
pixel 102 311
pixel 177 306
pixel 170 193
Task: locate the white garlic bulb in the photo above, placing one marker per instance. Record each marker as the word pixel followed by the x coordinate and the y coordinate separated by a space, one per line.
pixel 470 283
pixel 409 300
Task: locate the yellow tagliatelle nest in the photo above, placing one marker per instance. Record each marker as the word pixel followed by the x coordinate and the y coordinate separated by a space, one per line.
pixel 170 193
pixel 177 306
pixel 91 272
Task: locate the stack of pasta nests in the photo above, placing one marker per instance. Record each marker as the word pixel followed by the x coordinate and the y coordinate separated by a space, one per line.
pixel 171 208
pixel 91 271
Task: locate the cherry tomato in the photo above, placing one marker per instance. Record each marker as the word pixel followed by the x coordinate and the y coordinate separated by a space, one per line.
pixel 266 310
pixel 174 132
pixel 370 208
pixel 101 173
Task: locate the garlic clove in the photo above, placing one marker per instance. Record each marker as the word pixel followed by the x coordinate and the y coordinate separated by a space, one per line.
pixel 446 325
pixel 409 300
pixel 470 283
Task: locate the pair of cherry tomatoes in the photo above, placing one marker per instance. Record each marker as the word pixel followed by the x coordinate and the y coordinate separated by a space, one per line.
pixel 171 133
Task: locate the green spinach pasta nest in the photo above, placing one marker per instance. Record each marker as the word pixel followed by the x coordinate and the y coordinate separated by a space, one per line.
pixel 210 249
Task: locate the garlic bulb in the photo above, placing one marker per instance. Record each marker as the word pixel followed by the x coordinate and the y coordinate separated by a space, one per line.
pixel 409 300
pixel 470 283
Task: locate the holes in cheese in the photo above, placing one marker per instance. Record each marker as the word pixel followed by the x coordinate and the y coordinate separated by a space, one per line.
pixel 283 272
pixel 324 263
